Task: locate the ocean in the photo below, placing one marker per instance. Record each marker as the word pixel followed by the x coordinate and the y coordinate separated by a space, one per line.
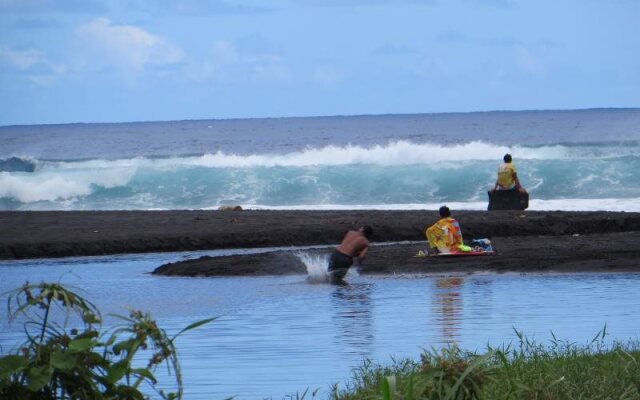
pixel 567 160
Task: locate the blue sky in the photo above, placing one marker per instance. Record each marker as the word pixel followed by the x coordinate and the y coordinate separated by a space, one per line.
pixel 139 60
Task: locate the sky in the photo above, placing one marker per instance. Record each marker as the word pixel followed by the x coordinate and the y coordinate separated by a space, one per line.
pixel 67 61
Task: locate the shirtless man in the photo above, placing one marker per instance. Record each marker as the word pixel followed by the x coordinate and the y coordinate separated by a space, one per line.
pixel 354 244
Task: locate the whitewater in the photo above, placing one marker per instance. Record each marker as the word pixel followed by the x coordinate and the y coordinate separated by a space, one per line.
pixel 581 160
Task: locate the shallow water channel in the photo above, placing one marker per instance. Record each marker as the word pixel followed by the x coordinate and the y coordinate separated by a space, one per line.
pixel 278 335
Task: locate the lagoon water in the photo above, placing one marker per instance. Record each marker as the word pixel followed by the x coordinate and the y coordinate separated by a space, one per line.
pixel 276 336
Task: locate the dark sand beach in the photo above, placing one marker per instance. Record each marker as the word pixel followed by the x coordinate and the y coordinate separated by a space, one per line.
pixel 526 241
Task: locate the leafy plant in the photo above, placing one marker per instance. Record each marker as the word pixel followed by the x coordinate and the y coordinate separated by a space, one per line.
pixel 77 359
pixel 455 374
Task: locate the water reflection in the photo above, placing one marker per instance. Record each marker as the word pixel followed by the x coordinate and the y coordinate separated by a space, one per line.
pixel 352 317
pixel 449 307
pixel 481 306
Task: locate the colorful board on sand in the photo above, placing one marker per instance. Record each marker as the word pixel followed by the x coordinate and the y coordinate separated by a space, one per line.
pixel 422 254
pixel 466 254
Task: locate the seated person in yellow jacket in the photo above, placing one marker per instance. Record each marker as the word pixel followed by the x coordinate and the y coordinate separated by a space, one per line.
pixel 508 176
pixel 445 235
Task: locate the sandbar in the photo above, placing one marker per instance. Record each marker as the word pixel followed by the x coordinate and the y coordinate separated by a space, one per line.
pixel 525 240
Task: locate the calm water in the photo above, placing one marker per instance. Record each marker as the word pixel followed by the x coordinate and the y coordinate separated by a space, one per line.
pixel 279 335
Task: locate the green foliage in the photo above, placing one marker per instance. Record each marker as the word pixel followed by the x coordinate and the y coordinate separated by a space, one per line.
pixel 83 362
pixel 565 370
pixel 528 370
pixel 450 374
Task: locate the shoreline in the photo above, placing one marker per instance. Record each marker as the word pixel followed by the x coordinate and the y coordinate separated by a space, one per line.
pixel 525 240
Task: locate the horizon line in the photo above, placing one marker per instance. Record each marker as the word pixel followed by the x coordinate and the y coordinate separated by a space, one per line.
pixel 327 116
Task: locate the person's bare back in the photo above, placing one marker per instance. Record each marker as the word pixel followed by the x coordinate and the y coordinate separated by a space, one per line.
pixel 354 244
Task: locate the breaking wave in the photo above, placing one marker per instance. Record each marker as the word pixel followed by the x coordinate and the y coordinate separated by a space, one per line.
pixel 399 174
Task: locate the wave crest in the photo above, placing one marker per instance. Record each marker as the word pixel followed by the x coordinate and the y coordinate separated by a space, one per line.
pixel 17 164
pixel 399 173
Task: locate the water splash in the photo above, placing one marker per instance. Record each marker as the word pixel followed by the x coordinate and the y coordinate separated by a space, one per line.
pixel 316 265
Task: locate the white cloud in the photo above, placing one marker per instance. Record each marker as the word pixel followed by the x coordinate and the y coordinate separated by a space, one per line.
pixel 128 47
pixel 33 65
pixel 328 75
pixel 228 62
pixel 392 49
pixel 431 66
pixel 528 61
pixel 270 68
pixel 224 52
pixel 20 59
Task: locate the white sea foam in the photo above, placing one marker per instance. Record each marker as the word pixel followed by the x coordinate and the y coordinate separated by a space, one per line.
pixel 397 153
pixel 627 205
pixel 394 153
pixel 407 153
pixel 48 185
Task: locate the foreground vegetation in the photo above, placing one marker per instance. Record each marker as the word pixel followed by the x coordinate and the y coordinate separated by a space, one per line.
pixel 78 359
pixel 528 370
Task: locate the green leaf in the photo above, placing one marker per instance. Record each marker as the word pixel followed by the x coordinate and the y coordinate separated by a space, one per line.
pixel 127 392
pixel 193 326
pixel 388 387
pixel 145 373
pixel 12 364
pixel 90 318
pixel 63 361
pixel 111 341
pixel 410 386
pixel 117 371
pixel 477 363
pixel 38 377
pixel 170 396
pixel 127 345
pixel 81 344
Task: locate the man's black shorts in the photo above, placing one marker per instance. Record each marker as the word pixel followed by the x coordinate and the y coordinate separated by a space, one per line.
pixel 339 265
